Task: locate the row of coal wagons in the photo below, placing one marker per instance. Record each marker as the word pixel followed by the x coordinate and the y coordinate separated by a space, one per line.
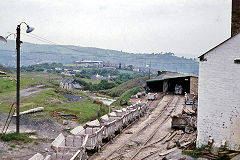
pixel 90 136
pixel 109 125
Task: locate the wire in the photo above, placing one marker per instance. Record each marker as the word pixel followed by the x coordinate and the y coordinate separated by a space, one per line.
pixel 130 58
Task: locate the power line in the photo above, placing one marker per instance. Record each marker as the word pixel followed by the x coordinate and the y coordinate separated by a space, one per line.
pixel 137 59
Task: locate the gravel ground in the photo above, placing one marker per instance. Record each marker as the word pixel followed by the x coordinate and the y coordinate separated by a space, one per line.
pixel 46 131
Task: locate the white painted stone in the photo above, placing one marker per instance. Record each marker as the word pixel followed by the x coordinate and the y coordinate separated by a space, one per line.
pixel 94 123
pixel 77 130
pixel 219 96
pixel 59 141
pixel 118 112
pixel 124 109
pixel 104 118
pixel 34 110
pixel 37 156
pixel 112 114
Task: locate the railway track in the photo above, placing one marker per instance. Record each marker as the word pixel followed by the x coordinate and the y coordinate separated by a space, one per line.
pixel 152 105
pixel 156 130
pixel 143 137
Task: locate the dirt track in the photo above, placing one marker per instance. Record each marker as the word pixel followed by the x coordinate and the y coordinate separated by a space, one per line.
pixel 148 137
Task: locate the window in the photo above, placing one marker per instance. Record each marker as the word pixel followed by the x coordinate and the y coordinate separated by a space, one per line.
pixel 237 60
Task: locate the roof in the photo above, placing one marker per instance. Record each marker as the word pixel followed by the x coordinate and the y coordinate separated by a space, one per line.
pixel 217 46
pixel 170 75
pixel 77 86
pixel 1 72
pixel 67 80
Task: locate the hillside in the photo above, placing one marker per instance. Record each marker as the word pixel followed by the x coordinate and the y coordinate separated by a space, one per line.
pixel 119 90
pixel 41 53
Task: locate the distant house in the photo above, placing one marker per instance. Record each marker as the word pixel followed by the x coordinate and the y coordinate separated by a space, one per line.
pixel 70 83
pixel 98 77
pixel 3 74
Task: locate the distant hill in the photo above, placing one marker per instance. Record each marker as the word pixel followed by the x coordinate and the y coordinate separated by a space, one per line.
pixel 66 54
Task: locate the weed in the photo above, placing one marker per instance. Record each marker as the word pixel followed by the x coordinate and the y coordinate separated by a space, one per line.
pixel 36 143
pixel 196 153
pixel 23 137
pixel 12 145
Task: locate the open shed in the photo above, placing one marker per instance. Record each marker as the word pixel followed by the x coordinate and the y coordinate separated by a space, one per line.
pixel 166 82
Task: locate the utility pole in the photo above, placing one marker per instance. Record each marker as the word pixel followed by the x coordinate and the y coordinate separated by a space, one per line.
pixel 18 43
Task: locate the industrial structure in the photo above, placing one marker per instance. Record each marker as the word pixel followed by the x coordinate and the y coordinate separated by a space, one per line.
pixel 167 82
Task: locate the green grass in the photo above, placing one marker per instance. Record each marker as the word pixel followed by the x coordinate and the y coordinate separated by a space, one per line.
pixel 126 96
pixel 51 99
pixel 84 110
pixel 23 137
pixel 7 85
pixel 196 153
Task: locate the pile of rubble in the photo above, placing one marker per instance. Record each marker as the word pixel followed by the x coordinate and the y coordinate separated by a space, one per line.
pixel 187 120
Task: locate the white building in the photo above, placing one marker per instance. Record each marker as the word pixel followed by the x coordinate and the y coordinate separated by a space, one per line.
pixel 219 90
pixel 219 95
pixel 69 83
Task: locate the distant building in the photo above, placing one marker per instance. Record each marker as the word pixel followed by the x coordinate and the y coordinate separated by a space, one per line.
pixel 3 74
pixel 136 70
pixel 69 83
pixel 167 81
pixel 89 62
pixel 98 77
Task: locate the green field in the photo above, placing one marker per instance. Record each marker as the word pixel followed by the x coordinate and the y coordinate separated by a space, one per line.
pixel 51 98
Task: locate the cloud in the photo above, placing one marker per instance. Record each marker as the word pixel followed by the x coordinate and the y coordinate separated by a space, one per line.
pixel 181 26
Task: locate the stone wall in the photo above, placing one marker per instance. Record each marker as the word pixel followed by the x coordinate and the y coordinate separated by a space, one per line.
pixel 194 85
pixel 235 17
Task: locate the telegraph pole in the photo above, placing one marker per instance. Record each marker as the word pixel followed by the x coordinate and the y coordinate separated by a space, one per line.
pixel 18 43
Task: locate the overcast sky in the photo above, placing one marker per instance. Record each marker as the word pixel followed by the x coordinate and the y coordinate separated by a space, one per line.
pixel 185 27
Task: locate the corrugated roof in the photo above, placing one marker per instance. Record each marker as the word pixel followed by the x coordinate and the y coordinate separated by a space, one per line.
pixel 170 75
pixel 67 80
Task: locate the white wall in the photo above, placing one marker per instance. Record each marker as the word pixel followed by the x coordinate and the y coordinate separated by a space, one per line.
pixel 219 96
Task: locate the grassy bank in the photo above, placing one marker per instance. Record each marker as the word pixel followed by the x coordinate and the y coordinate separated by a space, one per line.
pixel 126 95
pixel 119 90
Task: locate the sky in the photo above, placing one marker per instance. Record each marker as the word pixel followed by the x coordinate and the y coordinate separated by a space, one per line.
pixel 185 27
